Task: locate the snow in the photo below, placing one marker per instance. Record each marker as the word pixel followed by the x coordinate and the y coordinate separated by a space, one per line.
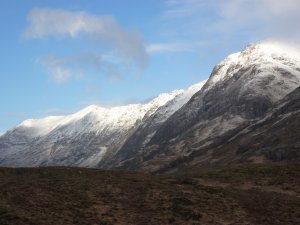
pixel 279 48
pixel 224 66
pixel 97 117
pixel 180 100
pixel 94 159
pixel 269 53
pixel 167 110
pixel 176 103
pixel 41 127
pixel 216 127
pixel 148 138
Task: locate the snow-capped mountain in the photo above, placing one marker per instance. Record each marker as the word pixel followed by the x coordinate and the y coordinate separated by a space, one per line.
pixel 205 125
pixel 83 138
pixel 241 90
pixel 143 134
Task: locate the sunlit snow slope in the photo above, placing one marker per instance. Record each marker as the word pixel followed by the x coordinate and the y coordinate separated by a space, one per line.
pixel 85 138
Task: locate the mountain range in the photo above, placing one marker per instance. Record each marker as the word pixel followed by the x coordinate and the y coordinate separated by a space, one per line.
pixel 247 111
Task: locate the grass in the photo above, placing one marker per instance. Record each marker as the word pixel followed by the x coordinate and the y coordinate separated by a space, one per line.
pixel 245 194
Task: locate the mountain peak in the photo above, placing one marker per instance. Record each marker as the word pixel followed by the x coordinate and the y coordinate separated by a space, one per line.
pixel 270 47
pixel 261 54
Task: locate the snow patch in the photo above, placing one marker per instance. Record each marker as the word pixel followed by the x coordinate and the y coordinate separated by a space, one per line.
pixel 94 159
pixel 216 127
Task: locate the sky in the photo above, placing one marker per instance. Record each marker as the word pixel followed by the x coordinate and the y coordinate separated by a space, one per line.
pixel 59 56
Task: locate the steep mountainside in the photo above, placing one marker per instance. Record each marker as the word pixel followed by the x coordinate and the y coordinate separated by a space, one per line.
pixel 143 134
pixel 276 137
pixel 273 138
pixel 86 138
pixel 240 91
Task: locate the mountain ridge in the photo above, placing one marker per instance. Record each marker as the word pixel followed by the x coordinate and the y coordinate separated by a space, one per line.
pixel 95 128
pixel 160 135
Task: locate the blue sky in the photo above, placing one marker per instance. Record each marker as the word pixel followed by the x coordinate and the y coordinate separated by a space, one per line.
pixel 58 56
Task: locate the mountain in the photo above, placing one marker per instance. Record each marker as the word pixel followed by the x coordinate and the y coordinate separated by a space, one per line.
pixel 246 111
pixel 242 89
pixel 143 134
pixel 86 138
pixel 275 137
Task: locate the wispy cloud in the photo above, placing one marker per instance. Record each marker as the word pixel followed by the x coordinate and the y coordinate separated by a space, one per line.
pixel 229 18
pixel 155 48
pixel 45 22
pixel 64 68
pixel 57 69
pixel 93 88
pixel 182 8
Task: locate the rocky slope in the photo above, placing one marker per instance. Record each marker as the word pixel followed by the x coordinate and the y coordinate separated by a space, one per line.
pixel 275 137
pixel 241 90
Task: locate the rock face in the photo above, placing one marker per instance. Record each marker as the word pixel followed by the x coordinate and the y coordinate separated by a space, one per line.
pixel 276 137
pixel 272 138
pixel 243 112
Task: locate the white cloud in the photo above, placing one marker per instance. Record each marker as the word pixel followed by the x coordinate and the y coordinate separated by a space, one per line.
pixel 44 22
pixel 166 47
pixel 273 18
pixel 57 69
pixel 224 19
pixel 61 74
pixel 173 47
pixel 64 68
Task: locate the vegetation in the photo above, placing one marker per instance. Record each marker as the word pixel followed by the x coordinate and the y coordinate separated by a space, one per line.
pixel 246 194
